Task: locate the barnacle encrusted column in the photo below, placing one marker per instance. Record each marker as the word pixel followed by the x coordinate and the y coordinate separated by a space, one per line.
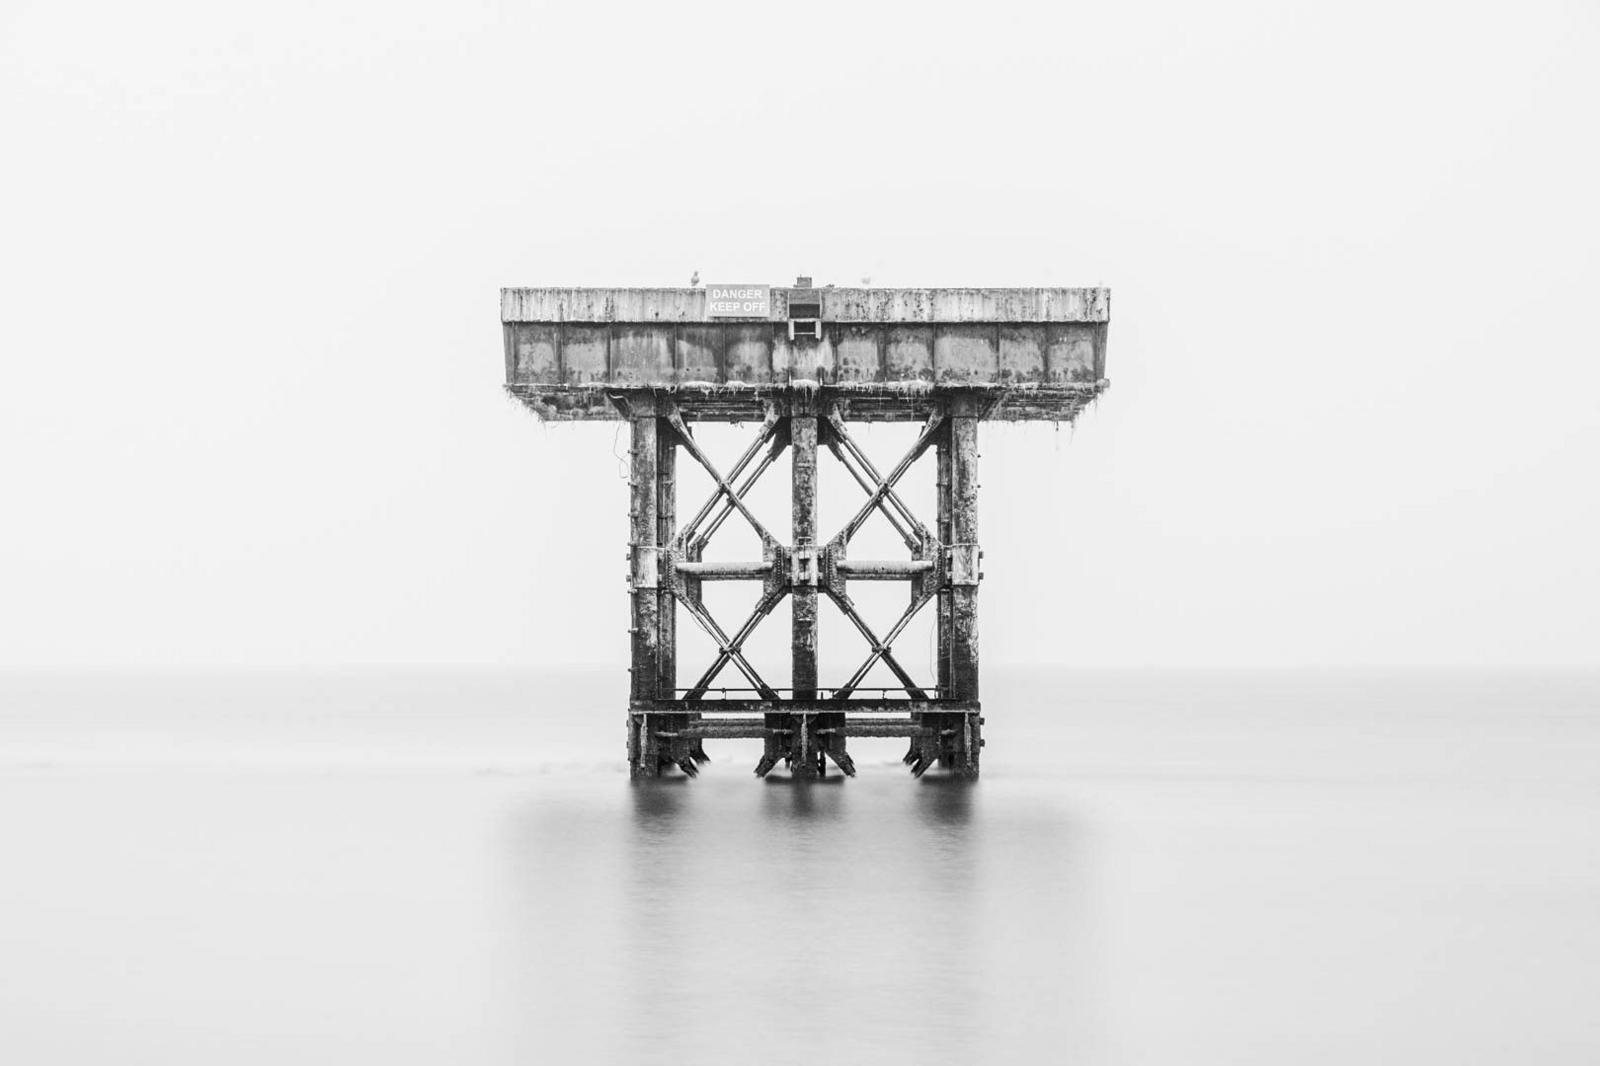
pixel 954 740
pixel 803 561
pixel 666 526
pixel 961 754
pixel 643 587
pixel 656 727
pixel 964 551
pixel 803 749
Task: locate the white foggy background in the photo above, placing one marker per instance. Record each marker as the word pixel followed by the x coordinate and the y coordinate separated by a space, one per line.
pixel 250 410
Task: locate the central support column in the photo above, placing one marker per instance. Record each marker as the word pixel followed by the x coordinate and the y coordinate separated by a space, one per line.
pixel 804 753
pixel 803 452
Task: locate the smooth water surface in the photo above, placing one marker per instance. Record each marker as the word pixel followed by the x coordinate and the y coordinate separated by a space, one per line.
pixel 425 867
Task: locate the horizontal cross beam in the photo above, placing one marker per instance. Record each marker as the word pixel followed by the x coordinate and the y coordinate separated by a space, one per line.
pixel 760 569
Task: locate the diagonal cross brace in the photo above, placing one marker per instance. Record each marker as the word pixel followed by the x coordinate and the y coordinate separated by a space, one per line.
pixel 868 487
pixel 880 648
pixel 840 441
pixel 780 441
pixel 729 647
pixel 725 492
pixel 885 485
pixel 726 499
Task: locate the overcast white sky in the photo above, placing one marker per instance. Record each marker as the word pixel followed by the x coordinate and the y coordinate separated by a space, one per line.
pixel 250 259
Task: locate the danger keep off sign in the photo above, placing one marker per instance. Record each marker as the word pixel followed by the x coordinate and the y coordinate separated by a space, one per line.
pixel 738 301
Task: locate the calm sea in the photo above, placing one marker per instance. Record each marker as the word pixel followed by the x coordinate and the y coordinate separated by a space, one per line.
pixel 453 867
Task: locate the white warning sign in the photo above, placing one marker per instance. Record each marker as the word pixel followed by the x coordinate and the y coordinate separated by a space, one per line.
pixel 738 301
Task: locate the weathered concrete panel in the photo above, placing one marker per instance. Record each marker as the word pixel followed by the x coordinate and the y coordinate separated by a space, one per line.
pixel 1071 353
pixel 641 355
pixel 698 353
pixel 857 350
pixel 803 359
pixel 584 353
pixel 964 354
pixel 908 353
pixel 748 356
pixel 533 353
pixel 1021 354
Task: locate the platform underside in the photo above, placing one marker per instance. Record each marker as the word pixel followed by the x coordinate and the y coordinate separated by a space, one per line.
pixel 909 402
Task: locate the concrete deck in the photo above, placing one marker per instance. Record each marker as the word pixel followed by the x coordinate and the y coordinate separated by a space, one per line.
pixel 881 353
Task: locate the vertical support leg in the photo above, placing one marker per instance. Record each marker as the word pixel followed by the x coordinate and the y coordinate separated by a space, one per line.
pixel 643 518
pixel 924 750
pixel 949 738
pixel 946 537
pixel 803 453
pixel 964 557
pixel 964 577
pixel 666 527
pixel 667 444
pixel 803 644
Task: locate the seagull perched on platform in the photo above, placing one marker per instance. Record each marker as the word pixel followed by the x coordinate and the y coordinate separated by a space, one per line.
pixel 694 280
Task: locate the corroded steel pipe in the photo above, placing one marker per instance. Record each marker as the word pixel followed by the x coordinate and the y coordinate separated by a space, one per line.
pixel 741 571
pixel 883 569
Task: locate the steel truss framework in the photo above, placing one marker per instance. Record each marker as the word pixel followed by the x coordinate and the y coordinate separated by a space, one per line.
pixel 806 725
